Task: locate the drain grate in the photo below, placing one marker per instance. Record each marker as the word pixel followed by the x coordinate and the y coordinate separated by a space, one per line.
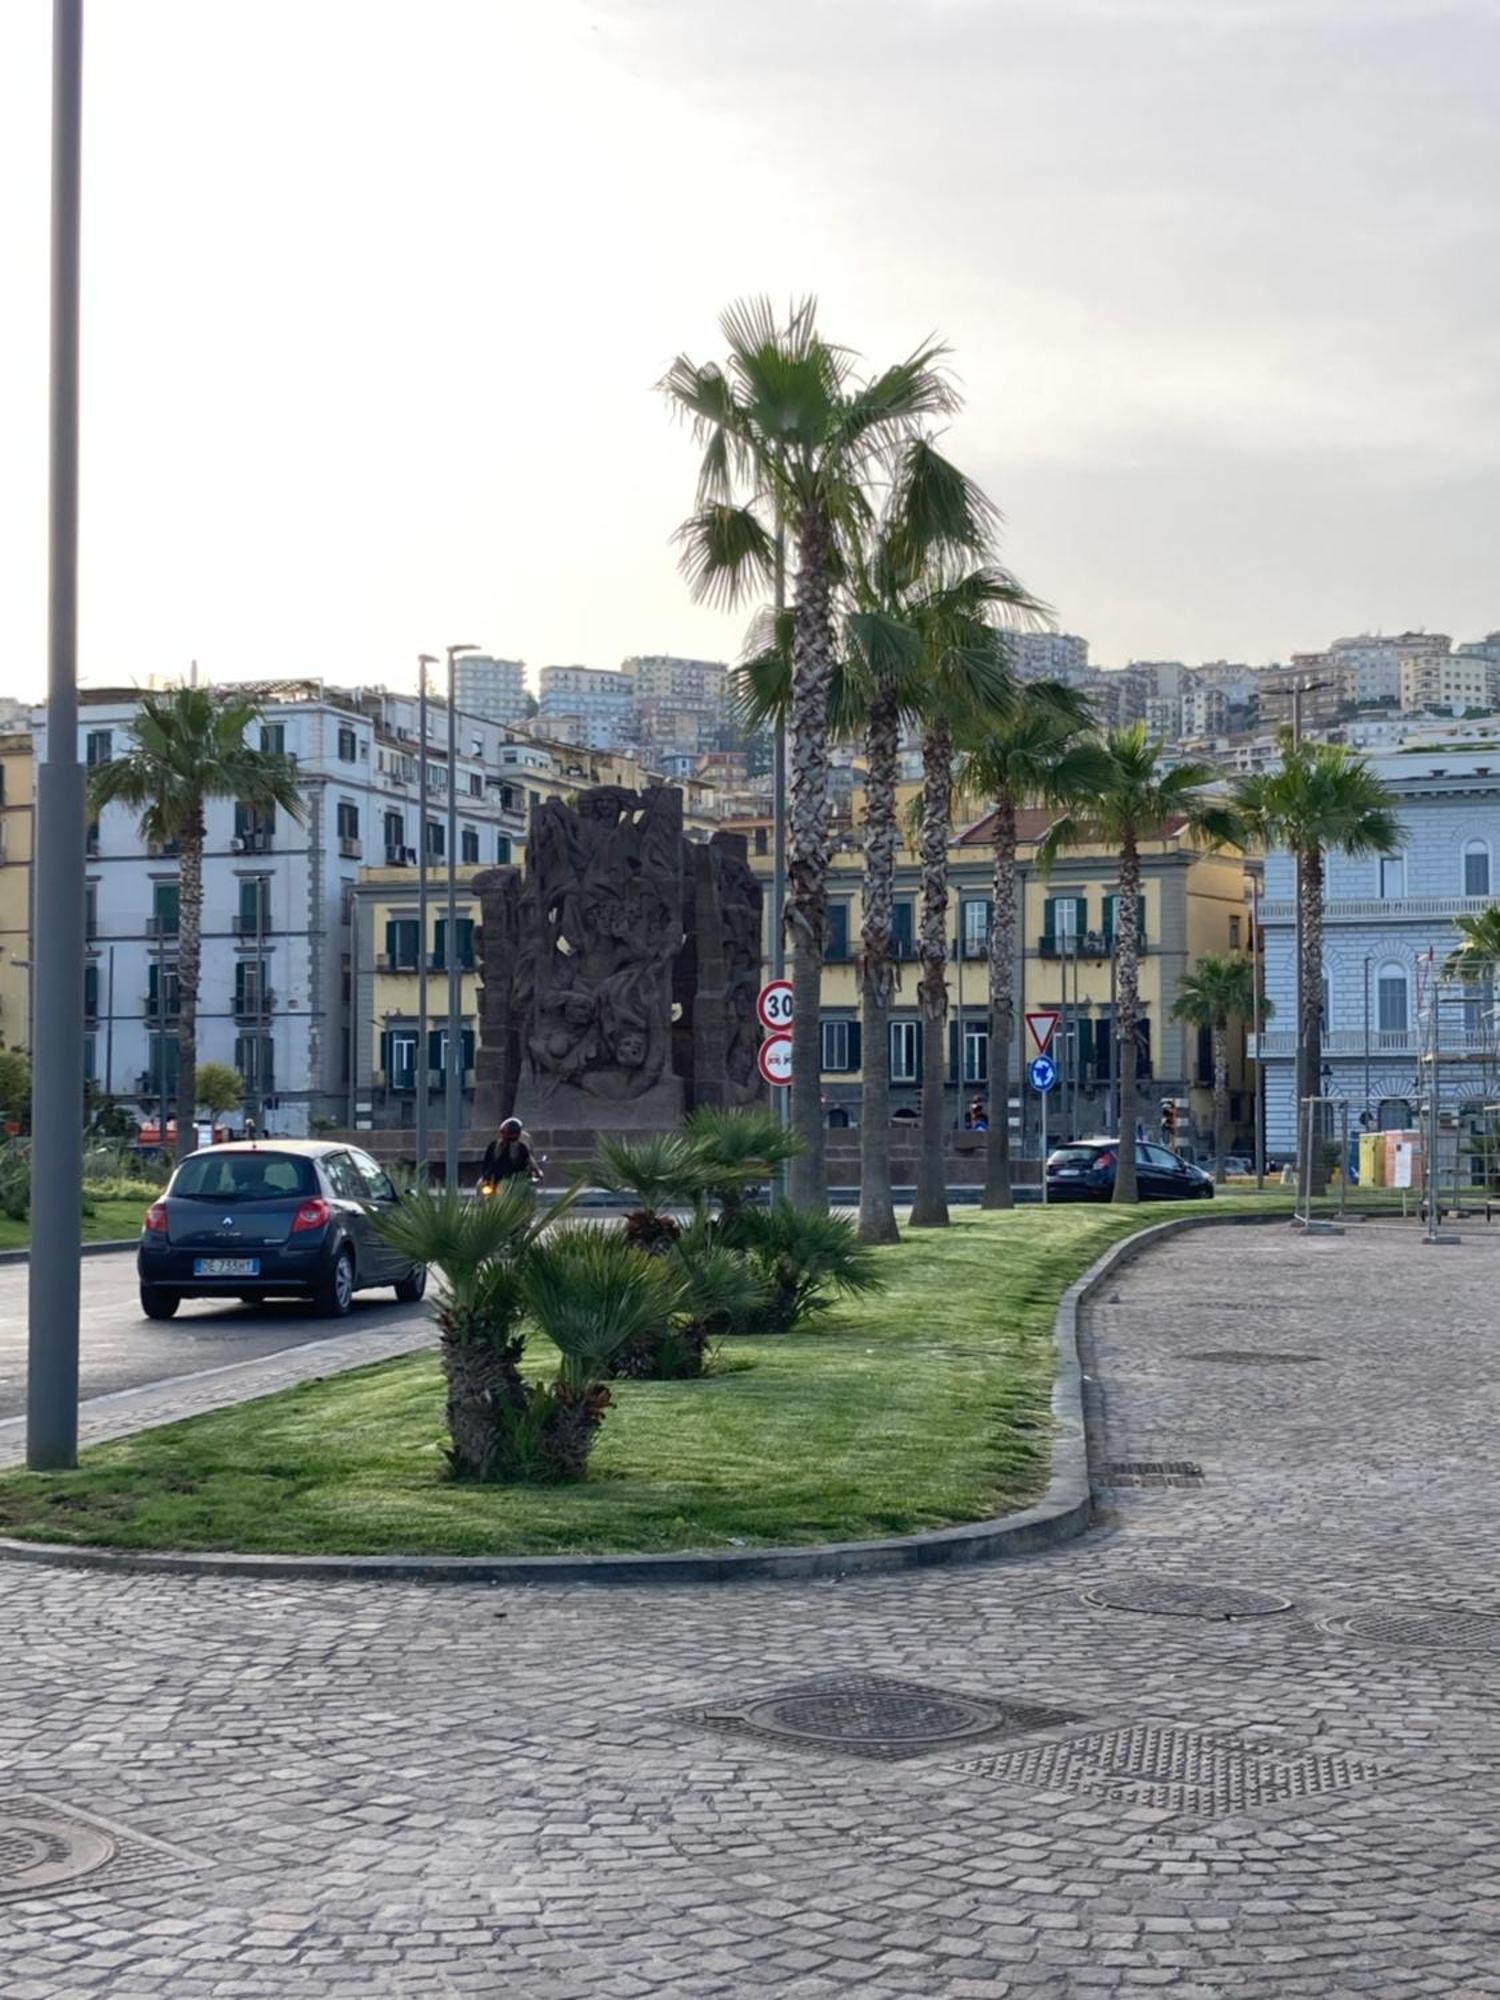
pixel 1175 1770
pixel 1154 1472
pixel 866 1715
pixel 46 1848
pixel 1175 1597
pixel 1251 1357
pixel 1443 1628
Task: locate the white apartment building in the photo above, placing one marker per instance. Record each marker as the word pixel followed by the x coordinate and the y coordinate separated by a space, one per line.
pixel 1373 661
pixel 681 706
pixel 1448 683
pixel 494 690
pixel 1163 716
pixel 1049 656
pixel 592 706
pixel 1205 709
pixel 277 943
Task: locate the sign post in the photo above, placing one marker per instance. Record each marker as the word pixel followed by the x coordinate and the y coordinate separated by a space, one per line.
pixel 1042 1072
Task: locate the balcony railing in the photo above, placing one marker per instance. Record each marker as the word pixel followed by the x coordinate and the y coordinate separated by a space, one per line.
pixel 1378 909
pixel 349 847
pixel 251 924
pixel 1384 1042
pixel 157 1011
pixel 1082 944
pixel 253 1006
pixel 161 926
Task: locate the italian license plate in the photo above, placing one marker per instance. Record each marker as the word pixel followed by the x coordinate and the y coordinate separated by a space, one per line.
pixel 226 1267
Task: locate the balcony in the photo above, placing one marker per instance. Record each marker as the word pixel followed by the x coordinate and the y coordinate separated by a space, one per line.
pixel 1083 944
pixel 254 1006
pixel 159 1014
pixel 1410 1044
pixel 350 848
pixel 161 927
pixel 1380 909
pixel 400 857
pixel 252 923
pixel 258 840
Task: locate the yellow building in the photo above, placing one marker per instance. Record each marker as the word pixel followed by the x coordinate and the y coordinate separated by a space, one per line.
pixel 16 823
pixel 1192 903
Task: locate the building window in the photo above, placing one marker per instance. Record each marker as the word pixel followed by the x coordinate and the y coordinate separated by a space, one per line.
pixel 840 1046
pixel 976 1054
pixel 1391 996
pixel 468 842
pixel 348 820
pixel 164 912
pixel 90 1069
pixel 1234 933
pixel 1477 868
pixel 974 918
pixel 395 838
pixel 906 1051
pixel 254 827
pixel 91 910
pixel 902 935
pixel 250 992
pixel 402 939
pixel 1065 920
pixel 255 906
pixel 502 848
pixel 436 846
pixel 273 742
pixel 91 993
pixel 1392 877
pixel 348 744
pixel 838 933
pixel 476 785
pixel 161 1078
pixel 255 1060
pixel 465 944
pixel 399 1058
pixel 98 747
pixel 163 992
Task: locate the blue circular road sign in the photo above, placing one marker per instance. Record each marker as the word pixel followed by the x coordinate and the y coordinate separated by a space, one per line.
pixel 1043 1072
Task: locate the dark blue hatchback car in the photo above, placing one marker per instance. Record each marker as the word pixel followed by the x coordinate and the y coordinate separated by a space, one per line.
pixel 286 1218
pixel 1084 1170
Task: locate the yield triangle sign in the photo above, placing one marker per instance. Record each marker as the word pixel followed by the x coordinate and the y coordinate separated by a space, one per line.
pixel 1041 1026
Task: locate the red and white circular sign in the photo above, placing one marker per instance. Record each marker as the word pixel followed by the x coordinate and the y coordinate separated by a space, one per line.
pixel 776 1059
pixel 774 1006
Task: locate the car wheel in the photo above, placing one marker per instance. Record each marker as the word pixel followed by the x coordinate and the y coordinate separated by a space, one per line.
pixel 335 1293
pixel 158 1304
pixel 413 1286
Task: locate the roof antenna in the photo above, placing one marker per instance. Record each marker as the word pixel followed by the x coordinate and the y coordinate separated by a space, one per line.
pixel 193 674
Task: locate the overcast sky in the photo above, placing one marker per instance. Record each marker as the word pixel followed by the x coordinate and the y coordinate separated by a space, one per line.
pixel 376 292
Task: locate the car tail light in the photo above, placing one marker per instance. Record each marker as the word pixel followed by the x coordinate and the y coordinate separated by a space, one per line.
pixel 156 1219
pixel 311 1215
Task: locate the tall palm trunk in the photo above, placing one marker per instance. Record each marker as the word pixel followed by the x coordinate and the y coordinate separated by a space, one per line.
pixel 930 1209
pixel 1127 1008
pixel 1002 1007
pixel 877 1213
pixel 808 850
pixel 1310 1027
pixel 189 972
pixel 1221 1096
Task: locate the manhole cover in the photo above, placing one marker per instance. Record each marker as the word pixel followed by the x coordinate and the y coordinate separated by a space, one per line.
pixel 1154 1472
pixel 1456 1630
pixel 1173 1597
pixel 1250 1357
pixel 866 1715
pixel 38 1852
pixel 1175 1770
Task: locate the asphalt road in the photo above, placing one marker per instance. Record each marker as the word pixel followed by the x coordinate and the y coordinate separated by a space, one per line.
pixel 119 1349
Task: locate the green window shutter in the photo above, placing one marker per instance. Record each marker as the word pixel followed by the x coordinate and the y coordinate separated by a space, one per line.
pixel 838 931
pixel 901 930
pixel 952 1050
pixel 390 940
pixel 385 1052
pixel 468 1048
pixel 855 1055
pixel 1049 920
pixel 434 1048
pixel 1080 915
pixel 440 944
pixel 1085 1044
pixel 466 941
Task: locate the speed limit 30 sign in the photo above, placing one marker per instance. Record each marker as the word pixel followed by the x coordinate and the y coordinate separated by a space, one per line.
pixel 774 1006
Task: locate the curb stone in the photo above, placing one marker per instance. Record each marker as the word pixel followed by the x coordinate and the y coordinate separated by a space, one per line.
pixel 1061 1515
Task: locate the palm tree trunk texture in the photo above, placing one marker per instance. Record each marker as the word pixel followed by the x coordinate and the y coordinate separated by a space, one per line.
pixel 1127 1008
pixel 1002 1008
pixel 1310 1037
pixel 1221 1096
pixel 808 851
pixel 877 1213
pixel 930 1209
pixel 189 973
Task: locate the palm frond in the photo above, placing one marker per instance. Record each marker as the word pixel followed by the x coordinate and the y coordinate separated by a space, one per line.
pixel 726 554
pixel 591 1293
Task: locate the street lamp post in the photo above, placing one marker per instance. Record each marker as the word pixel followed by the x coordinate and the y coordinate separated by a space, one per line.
pixel 57 1022
pixel 453 1072
pixel 424 1069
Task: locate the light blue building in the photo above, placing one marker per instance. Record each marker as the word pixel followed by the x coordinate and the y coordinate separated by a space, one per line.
pixel 1388 921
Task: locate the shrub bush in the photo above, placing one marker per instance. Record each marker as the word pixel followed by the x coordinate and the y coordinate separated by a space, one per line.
pixel 808 1260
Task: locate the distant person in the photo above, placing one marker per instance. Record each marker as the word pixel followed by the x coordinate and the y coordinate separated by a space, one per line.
pixel 977 1117
pixel 508 1156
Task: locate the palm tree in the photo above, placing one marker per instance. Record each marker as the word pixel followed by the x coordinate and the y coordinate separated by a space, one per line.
pixel 189 748
pixel 808 1259
pixel 968 682
pixel 1220 988
pixel 1137 801
pixel 1474 958
pixel 793 440
pixel 1036 756
pixel 662 1170
pixel 1323 796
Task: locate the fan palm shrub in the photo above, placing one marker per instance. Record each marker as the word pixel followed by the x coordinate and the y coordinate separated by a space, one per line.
pixel 1137 801
pixel 809 1259
pixel 190 748
pixel 480 1250
pixel 736 1151
pixel 1477 954
pixel 717 1290
pixel 1219 989
pixel 662 1170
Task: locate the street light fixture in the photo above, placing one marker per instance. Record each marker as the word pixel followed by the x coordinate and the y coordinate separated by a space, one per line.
pixel 453 1072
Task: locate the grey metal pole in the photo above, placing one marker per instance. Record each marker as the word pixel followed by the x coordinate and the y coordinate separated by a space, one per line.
pixel 1258 1124
pixel 781 1099
pixel 1367 1034
pixel 958 1067
pixel 109 1027
pixel 453 1078
pixel 58 956
pixel 424 1070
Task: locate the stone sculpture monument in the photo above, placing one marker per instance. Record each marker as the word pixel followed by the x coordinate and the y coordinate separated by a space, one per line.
pixel 619 973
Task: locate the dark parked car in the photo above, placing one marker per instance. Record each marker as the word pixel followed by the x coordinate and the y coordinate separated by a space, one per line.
pixel 1084 1170
pixel 285 1218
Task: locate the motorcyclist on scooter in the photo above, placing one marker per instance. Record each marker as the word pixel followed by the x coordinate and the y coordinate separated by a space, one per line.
pixel 508 1156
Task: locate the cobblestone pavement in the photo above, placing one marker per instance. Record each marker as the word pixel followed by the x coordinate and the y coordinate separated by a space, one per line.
pixel 390 1790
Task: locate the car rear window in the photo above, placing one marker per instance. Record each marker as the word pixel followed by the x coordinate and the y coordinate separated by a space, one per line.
pixel 1073 1156
pixel 244 1177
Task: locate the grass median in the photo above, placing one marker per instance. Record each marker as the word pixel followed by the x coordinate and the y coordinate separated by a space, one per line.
pixel 922 1406
pixel 111 1222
